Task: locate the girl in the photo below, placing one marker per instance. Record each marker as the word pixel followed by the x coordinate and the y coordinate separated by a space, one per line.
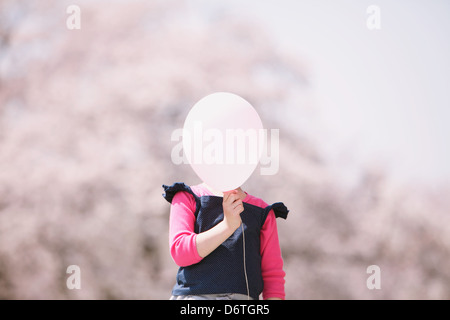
pixel 226 244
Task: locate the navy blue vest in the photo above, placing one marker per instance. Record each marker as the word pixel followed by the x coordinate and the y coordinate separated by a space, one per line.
pixel 222 271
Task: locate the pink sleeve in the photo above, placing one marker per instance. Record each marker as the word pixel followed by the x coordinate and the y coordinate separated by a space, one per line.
pixel 271 260
pixel 182 238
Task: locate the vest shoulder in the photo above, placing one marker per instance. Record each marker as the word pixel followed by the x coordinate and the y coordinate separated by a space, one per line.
pixel 255 201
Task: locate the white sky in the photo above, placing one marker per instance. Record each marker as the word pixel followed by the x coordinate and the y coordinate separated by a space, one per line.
pixel 382 95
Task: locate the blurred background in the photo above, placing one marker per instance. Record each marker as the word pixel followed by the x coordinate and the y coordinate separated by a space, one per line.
pixel 86 117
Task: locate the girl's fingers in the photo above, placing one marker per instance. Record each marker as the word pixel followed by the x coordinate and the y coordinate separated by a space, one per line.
pixel 239 203
pixel 232 201
pixel 226 195
pixel 232 198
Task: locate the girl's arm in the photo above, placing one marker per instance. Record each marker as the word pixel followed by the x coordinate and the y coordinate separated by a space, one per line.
pixel 271 260
pixel 187 247
pixel 182 238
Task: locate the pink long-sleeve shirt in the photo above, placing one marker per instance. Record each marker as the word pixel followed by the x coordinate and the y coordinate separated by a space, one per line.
pixel 183 248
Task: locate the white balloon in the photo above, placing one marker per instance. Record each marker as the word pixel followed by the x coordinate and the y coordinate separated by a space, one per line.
pixel 223 139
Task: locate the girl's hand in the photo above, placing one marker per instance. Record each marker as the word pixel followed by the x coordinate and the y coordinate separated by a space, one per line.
pixel 232 208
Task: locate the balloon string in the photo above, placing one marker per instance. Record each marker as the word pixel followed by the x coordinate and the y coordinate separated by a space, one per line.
pixel 245 268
